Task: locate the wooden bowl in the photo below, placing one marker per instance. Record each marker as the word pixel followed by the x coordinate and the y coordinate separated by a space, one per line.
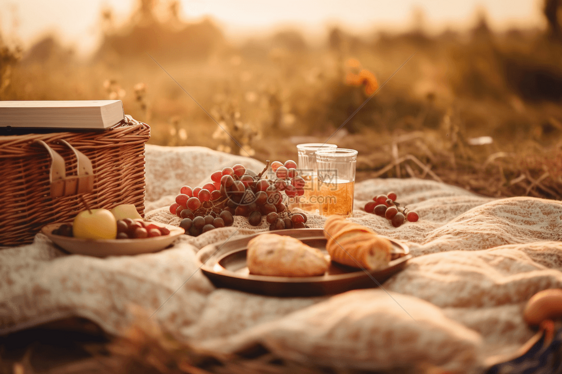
pixel 113 247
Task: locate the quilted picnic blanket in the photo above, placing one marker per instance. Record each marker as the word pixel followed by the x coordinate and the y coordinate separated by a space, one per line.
pixel 459 301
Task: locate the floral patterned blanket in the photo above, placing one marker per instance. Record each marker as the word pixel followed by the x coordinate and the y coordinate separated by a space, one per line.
pixel 458 302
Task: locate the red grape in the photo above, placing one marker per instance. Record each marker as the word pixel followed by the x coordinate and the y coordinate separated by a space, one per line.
pixel 217 185
pixel 298 225
pixel 209 187
pixel 391 212
pixel 297 218
pixel 300 191
pixel 268 208
pixel 121 235
pixel 181 199
pixel 290 164
pixel 370 206
pixel 241 210
pixel 193 203
pixel 204 195
pixel 262 185
pixel 389 202
pixel 292 173
pixel 198 222
pixel 231 204
pixel 291 190
pixel 186 190
pixel 209 220
pixel 196 191
pixel 275 165
pixel 261 198
pixel 239 170
pixel 270 190
pixel 298 182
pixel 153 233
pixel 215 195
pixel 280 208
pixel 187 213
pixel 238 187
pixel 227 171
pixel 173 208
pixel 186 224
pixel 288 223
pixel 281 172
pixel 218 222
pixel 227 217
pixel 179 209
pixel 272 217
pixel 193 231
pixel 247 180
pixel 255 218
pixel 381 199
pixel 280 184
pixel 207 227
pixel 140 233
pixel 216 176
pixel 380 210
pixel 121 226
pixel 227 181
pixel 133 227
pixel 278 225
pixel 412 217
pixel 275 198
pixel 392 196
pixel 398 220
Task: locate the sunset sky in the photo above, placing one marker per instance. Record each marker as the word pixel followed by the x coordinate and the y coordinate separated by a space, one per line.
pixel 75 21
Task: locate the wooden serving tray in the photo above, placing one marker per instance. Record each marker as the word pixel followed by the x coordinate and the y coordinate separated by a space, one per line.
pixel 225 265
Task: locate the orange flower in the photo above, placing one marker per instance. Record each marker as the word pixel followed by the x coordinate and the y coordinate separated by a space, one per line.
pixel 365 78
pixel 369 81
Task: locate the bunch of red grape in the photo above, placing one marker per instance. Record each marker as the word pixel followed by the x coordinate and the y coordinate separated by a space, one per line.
pixel 139 229
pixel 238 191
pixel 387 206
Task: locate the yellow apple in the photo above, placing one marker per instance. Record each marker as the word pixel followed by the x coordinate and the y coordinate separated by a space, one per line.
pixel 125 211
pixel 99 224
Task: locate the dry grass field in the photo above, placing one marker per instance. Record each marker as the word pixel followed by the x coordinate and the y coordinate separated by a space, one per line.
pixel 477 109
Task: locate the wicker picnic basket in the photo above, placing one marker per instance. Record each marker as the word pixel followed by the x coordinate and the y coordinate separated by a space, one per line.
pixel 42 176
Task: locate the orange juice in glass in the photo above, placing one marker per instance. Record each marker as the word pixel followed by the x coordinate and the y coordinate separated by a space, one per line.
pixel 307 169
pixel 336 181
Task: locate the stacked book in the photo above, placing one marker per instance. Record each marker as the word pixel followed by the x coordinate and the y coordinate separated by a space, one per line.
pixel 60 115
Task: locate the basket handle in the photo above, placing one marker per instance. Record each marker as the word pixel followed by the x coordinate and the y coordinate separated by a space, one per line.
pixel 61 185
pixel 85 172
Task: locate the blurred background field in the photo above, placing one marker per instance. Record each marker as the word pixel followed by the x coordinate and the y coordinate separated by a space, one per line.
pixel 474 106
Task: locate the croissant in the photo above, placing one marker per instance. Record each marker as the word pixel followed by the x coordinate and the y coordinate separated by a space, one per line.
pixel 355 245
pixel 279 255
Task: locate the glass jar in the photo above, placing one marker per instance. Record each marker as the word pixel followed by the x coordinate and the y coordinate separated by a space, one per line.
pixel 336 181
pixel 307 168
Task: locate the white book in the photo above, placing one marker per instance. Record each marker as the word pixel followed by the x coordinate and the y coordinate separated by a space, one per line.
pixel 79 114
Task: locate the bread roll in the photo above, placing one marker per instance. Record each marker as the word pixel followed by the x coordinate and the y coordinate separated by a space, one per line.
pixel 284 256
pixel 354 245
pixel 546 304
